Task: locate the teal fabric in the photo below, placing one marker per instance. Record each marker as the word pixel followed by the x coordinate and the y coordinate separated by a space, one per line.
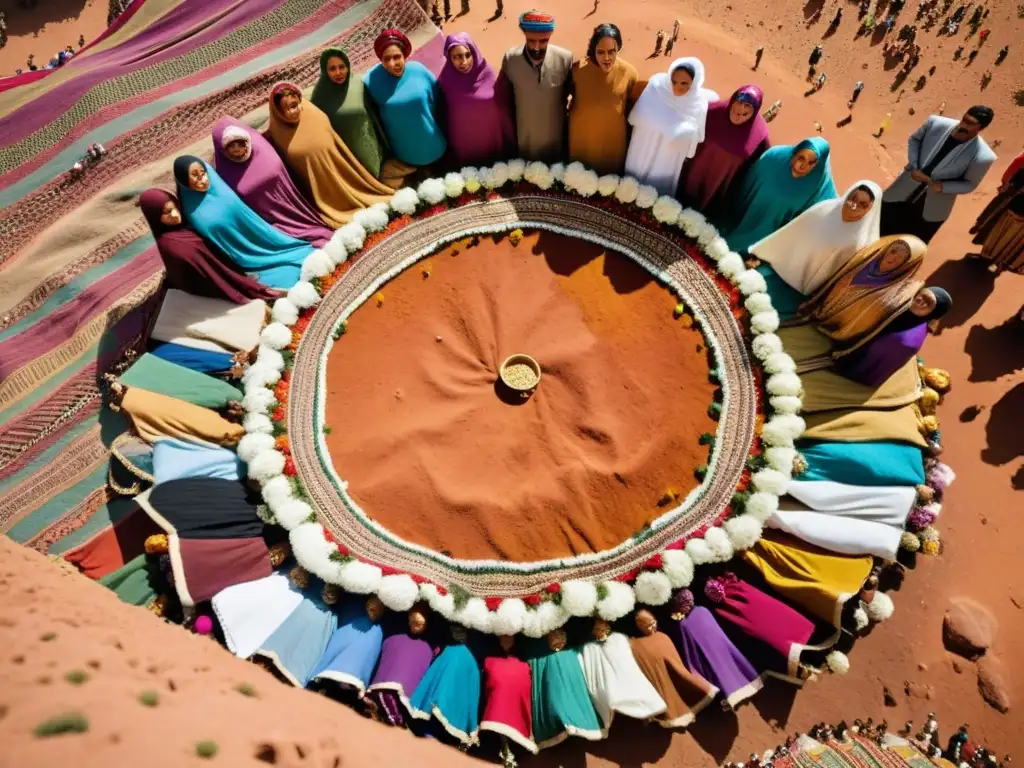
pixel 452 687
pixel 174 459
pixel 561 700
pixel 296 646
pixel 785 299
pixel 222 219
pixel 132 582
pixel 408 107
pixel 870 463
pixel 770 197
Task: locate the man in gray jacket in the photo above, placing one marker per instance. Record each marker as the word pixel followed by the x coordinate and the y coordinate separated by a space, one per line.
pixel 946 158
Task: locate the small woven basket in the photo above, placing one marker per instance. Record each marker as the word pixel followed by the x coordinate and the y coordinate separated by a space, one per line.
pixel 523 390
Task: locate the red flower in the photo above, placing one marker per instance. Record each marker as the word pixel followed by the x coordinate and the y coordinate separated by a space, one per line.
pixel 654 564
pixel 493 603
pixel 532 599
pixel 553 589
pixel 628 576
pixel 278 414
pixel 342 549
pixel 329 536
pixel 418 579
pixel 289 466
pixel 441 590
pixel 387 570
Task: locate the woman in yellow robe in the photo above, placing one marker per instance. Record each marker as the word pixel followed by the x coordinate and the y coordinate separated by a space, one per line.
pixel 335 178
pixel 603 91
pixel 154 416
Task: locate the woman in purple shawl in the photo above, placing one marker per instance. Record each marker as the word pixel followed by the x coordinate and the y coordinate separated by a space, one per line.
pixel 735 136
pixel 192 266
pixel 873 363
pixel 404 659
pixel 251 167
pixel 480 129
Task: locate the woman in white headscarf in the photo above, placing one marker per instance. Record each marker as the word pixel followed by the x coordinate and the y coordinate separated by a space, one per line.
pixel 668 124
pixel 802 255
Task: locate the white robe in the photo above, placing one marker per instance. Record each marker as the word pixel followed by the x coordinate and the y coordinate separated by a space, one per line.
pixel 815 245
pixel 202 322
pixel 615 681
pixel 249 613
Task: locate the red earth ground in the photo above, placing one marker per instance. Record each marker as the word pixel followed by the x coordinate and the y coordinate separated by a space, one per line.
pixel 981 347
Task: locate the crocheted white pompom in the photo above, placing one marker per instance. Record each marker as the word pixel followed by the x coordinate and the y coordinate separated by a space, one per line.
pixel 405 200
pixel 256 423
pixel 276 336
pixel 454 185
pixel 744 531
pixel 265 465
pixel 618 601
pixel 751 282
pixel 317 264
pixel 516 169
pixel 719 544
pixel 253 444
pixel 510 617
pixel 398 591
pixel 607 184
pixel 784 384
pixel 284 312
pixel 761 506
pixel 579 598
pixel 765 322
pixel 303 295
pixel 699 551
pixel 770 481
pixel 652 588
pixel 627 190
pixel 431 191
pixel 880 608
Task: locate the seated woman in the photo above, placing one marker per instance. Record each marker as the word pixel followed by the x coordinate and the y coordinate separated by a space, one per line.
pixel 154 416
pixel 560 699
pixel 190 263
pixel 874 362
pixel 250 166
pixel 480 127
pixel 303 135
pixel 213 324
pixel 668 123
pixel 340 95
pixel 861 299
pixel 807 251
pixel 603 86
pixel 213 210
pixel 736 136
pixel 407 99
pixel 782 184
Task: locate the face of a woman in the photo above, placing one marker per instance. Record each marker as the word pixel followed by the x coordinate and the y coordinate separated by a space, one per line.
pixel 507 642
pixel 417 623
pixel 895 256
pixel 374 609
pixel 291 106
pixel 803 162
pixel 170 215
pixel 461 58
pixel 646 622
pixel 197 178
pixel 557 640
pixel 681 82
pixel 740 112
pixel 393 60
pixel 605 53
pixel 236 150
pixel 856 206
pixel 337 70
pixel 923 303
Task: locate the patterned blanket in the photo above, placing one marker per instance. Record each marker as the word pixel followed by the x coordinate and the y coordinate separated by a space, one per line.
pixel 79 275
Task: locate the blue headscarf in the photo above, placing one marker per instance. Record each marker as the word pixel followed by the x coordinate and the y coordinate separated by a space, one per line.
pixel 228 224
pixel 769 197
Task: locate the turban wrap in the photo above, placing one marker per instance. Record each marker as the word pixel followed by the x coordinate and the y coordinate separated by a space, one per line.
pixel 285 87
pixel 536 21
pixel 392 37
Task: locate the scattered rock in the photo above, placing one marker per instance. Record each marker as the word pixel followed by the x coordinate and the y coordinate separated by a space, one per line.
pixel 958 666
pixel 919 690
pixel 984 521
pixel 968 628
pixel 266 753
pixel 890 700
pixel 923 667
pixel 992 684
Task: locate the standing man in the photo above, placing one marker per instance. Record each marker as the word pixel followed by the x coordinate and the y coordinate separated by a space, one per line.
pixel 856 93
pixel 757 56
pixel 946 158
pixel 539 76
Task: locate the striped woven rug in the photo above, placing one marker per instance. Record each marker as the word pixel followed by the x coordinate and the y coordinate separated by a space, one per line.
pixel 79 275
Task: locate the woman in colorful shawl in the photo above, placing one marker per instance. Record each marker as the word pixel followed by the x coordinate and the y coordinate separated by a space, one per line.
pixel 873 363
pixel 870 291
pixel 685 693
pixel 154 416
pixel 407 99
pixel 508 706
pixel 708 651
pixel 668 124
pixel 190 263
pixel 158 375
pixel 295 648
pixel 736 137
pixel 561 701
pixel 602 94
pixel 999 229
pixel 213 210
pixel 249 165
pixel 614 679
pixel 405 656
pixel 303 135
pixel 354 648
pixel 450 690
pixel 807 251
pixel 783 183
pixel 174 458
pixel 480 128
pixel 205 323
pixel 251 612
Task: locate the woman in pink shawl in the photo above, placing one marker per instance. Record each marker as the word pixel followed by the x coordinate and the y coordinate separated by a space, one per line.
pixel 253 169
pixel 480 129
pixel 735 136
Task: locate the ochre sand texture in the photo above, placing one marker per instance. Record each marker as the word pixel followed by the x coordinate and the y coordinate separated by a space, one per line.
pixel 436 450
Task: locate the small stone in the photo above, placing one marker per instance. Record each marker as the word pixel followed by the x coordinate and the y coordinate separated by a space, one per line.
pixel 984 521
pixel 958 666
pixel 437 339
pixel 923 667
pixel 890 700
pixel 919 690
pixel 992 684
pixel 968 628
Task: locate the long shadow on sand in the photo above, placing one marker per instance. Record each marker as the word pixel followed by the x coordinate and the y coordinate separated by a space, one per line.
pixel 969 283
pixel 995 351
pixel 1003 433
pixel 22 22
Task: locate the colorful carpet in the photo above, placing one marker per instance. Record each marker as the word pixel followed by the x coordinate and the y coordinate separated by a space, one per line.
pixel 79 275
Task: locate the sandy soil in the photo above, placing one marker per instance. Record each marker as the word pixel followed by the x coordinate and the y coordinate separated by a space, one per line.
pixel 48 28
pixel 981 346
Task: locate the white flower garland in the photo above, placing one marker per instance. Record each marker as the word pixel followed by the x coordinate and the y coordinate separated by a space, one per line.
pixel 610 600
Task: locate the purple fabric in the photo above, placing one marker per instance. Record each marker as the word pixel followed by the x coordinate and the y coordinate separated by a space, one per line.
pixel 707 650
pixel 389 707
pixel 726 150
pixel 873 363
pixel 871 274
pixel 480 128
pixel 263 183
pixel 403 662
pixel 762 616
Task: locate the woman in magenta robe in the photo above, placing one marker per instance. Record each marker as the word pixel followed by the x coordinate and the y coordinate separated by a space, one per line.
pixel 735 136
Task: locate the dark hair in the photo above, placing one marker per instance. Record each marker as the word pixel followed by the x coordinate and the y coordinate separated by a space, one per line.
pixel 601 31
pixel 982 114
pixel 687 68
pixel 865 189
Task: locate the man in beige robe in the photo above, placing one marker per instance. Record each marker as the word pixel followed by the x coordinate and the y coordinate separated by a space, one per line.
pixel 539 76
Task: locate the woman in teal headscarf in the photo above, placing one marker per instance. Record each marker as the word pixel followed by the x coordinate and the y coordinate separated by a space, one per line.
pixel 561 700
pixel 783 183
pixel 342 97
pixel 218 214
pixel 450 691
